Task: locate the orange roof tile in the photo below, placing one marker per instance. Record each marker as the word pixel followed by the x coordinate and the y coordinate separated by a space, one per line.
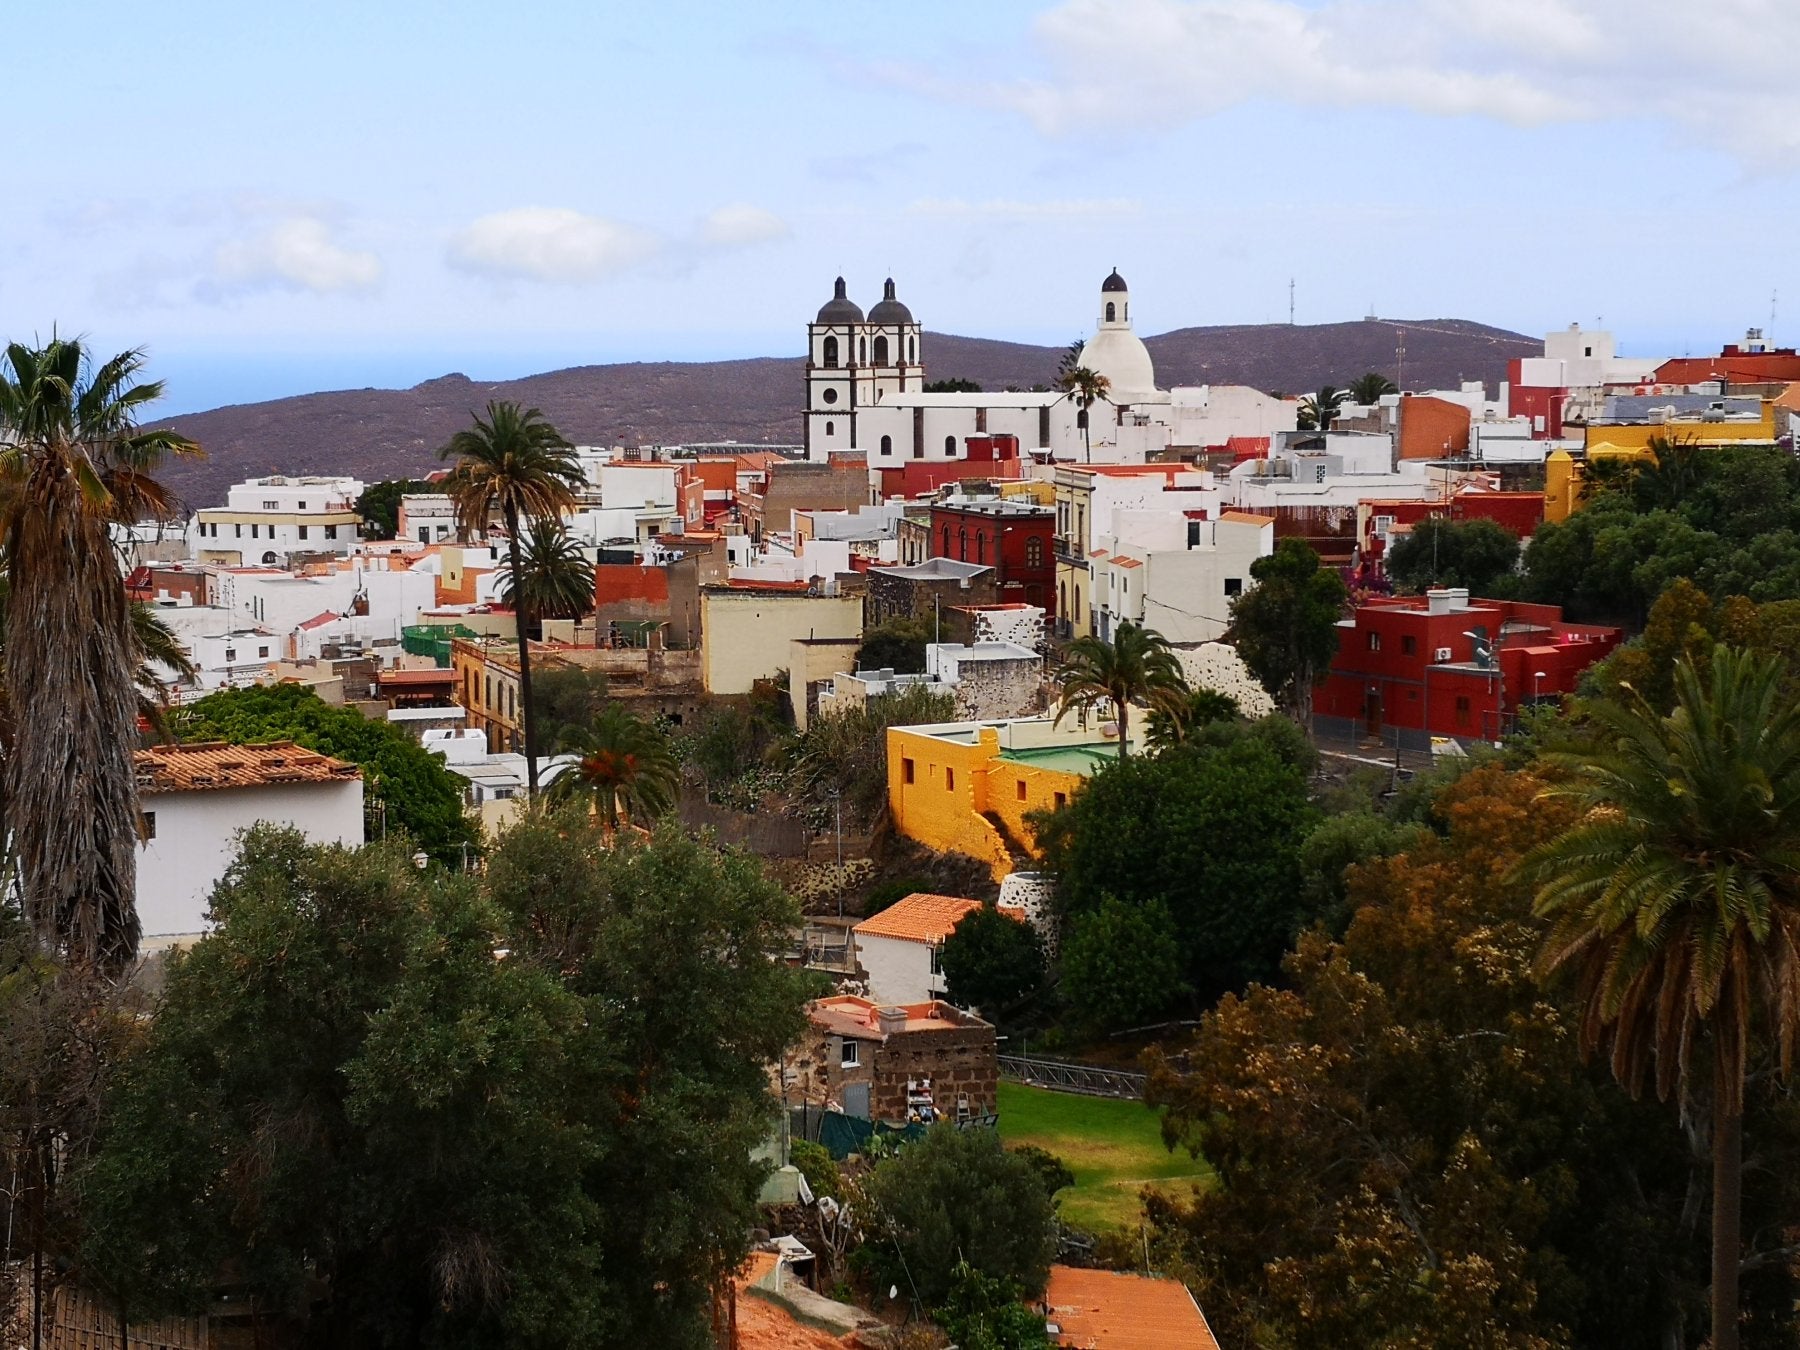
pixel 1109 1310
pixel 919 918
pixel 1128 562
pixel 1249 517
pixel 217 764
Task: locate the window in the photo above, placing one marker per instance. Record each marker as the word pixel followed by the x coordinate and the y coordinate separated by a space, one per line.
pixel 262 651
pixel 831 353
pixel 424 534
pixel 271 506
pixel 146 824
pixel 1034 552
pixel 946 541
pixel 1409 646
pixel 831 428
pixel 1462 708
pixel 331 532
pixel 303 506
pixel 881 351
pixel 1020 786
pixel 962 542
pixel 980 548
pixel 862 348
pixel 912 350
pixel 303 531
pixel 1059 801
pixel 1110 312
pixel 237 531
pixel 950 446
pixel 847 1054
pixel 949 779
pixel 254 528
pixel 230 654
pixel 830 396
pixel 906 771
pixel 1234 585
pixel 887 445
pixel 1193 534
pixel 1374 642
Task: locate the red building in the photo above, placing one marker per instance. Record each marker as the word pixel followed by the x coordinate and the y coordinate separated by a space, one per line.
pixel 1442 664
pixel 1012 537
pixel 985 458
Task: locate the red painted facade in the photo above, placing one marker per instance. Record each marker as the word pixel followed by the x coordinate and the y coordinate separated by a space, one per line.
pixel 1014 540
pixel 1535 401
pixel 1407 662
pixel 987 458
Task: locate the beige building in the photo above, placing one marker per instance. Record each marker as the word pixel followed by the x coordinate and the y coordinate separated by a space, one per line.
pixel 747 630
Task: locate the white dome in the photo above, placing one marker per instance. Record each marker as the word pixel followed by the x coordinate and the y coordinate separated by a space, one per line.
pixel 1120 355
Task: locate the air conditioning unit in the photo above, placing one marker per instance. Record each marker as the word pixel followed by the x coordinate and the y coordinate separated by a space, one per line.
pixel 1441 654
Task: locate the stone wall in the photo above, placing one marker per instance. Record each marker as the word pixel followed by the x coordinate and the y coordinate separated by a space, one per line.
pixel 960 1062
pixel 1020 624
pixel 895 597
pixel 990 690
pixel 1217 666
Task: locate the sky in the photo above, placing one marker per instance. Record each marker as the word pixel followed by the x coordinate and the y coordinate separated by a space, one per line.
pixel 283 197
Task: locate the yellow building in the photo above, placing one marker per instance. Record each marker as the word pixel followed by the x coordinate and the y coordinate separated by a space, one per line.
pixel 746 629
pixel 966 787
pixel 1625 441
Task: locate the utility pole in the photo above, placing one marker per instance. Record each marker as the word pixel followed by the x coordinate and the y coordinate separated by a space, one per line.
pixel 1290 302
pixel 1400 359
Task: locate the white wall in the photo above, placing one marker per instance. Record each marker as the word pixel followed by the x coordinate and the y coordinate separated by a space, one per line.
pixel 196 839
pixel 899 971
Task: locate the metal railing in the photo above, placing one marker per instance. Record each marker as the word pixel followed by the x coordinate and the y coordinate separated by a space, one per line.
pixel 1063 1076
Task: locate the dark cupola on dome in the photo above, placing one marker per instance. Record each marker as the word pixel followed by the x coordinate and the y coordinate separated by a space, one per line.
pixel 840 308
pixel 1115 282
pixel 888 310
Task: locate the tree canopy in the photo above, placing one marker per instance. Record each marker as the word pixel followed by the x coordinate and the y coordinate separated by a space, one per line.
pixel 442 1112
pixel 1285 626
pixel 379 504
pixel 1477 554
pixel 991 961
pixel 420 795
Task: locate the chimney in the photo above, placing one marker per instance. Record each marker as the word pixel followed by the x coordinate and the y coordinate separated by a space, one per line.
pixel 890 1021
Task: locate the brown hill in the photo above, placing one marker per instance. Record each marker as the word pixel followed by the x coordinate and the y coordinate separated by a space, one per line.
pixel 392 433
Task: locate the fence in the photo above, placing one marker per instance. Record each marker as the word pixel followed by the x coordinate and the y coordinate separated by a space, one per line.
pixel 1064 1076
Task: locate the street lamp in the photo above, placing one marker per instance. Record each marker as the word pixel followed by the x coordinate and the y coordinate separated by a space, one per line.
pixel 1536 675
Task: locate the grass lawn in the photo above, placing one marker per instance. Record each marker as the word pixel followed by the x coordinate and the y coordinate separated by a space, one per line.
pixel 1114 1148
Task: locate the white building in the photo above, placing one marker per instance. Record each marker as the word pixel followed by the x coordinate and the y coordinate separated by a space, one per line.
pixel 376 596
pixel 196 799
pixel 900 948
pixel 1176 575
pixel 427 517
pixel 265 519
pixel 1333 469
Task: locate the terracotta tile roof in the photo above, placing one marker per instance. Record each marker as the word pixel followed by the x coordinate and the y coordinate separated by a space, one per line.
pixel 919 918
pixel 1128 562
pixel 1248 517
pixel 207 765
pixel 319 620
pixel 1108 1310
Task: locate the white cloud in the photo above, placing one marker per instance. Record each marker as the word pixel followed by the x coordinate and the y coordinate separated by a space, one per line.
pixel 741 224
pixel 553 244
pixel 1006 208
pixel 1719 72
pixel 297 253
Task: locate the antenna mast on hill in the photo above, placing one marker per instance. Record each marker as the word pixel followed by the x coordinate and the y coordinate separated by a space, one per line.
pixel 1290 302
pixel 1400 359
pixel 1773 297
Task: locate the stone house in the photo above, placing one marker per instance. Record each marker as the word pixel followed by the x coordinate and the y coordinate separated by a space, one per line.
pixel 896 1063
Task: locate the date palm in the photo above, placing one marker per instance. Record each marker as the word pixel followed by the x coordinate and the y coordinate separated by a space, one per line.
pixel 555 579
pixel 623 765
pixel 157 646
pixel 1137 666
pixel 1318 411
pixel 1369 389
pixel 1087 387
pixel 1675 900
pixel 515 463
pixel 73 462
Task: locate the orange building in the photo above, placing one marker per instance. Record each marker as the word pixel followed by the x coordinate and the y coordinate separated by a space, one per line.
pixel 1432 428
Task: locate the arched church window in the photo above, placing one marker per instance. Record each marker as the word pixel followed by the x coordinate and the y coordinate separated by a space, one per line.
pixel 981 548
pixel 946 541
pixel 881 351
pixel 831 353
pixel 862 350
pixel 887 445
pixel 912 352
pixel 1111 313
pixel 950 446
pixel 831 428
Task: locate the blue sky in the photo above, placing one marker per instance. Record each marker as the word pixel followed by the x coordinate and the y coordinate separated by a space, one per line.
pixel 277 198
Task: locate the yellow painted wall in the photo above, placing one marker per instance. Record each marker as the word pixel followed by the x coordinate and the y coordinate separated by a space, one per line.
pixel 744 634
pixel 953 783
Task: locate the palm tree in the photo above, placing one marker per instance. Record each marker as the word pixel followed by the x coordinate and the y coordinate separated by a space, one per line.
pixel 1086 387
pixel 1179 719
pixel 1672 472
pixel 72 463
pixel 556 578
pixel 623 766
pixel 1318 411
pixel 1138 665
pixel 516 463
pixel 1676 900
pixel 1371 388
